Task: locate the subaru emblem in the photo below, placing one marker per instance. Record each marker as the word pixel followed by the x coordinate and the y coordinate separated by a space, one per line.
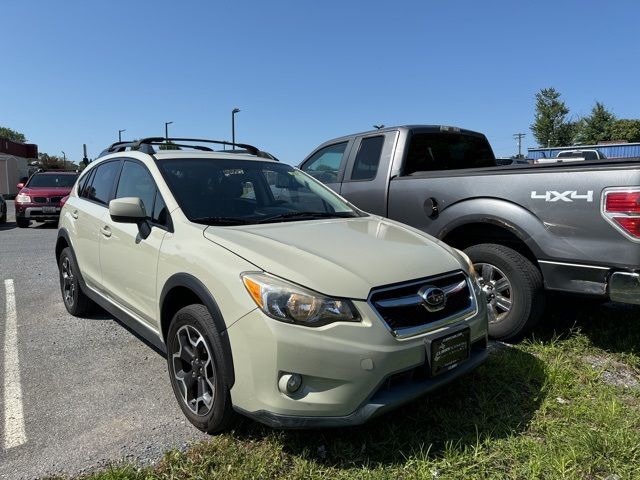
pixel 433 298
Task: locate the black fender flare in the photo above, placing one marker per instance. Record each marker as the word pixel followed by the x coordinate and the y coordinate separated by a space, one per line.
pixel 187 280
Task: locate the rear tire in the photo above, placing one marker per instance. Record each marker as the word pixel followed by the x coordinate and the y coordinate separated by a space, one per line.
pixel 514 289
pixel 74 299
pixel 23 222
pixel 196 363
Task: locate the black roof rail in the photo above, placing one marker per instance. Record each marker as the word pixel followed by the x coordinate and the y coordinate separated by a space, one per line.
pixel 123 146
pixel 162 140
pixel 145 145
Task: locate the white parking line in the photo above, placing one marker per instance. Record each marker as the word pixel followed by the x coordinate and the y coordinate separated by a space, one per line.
pixel 14 434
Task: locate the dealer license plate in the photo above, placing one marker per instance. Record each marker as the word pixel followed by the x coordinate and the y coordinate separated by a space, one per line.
pixel 449 351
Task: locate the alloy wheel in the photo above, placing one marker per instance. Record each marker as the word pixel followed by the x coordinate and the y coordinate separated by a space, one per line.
pixel 497 289
pixel 194 370
pixel 68 282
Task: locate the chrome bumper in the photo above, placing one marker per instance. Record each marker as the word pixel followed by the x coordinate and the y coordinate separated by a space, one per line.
pixel 625 287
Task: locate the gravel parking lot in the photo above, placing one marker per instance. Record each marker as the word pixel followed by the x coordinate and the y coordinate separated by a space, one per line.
pixel 76 393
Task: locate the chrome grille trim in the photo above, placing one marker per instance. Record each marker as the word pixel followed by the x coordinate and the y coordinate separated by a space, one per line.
pixel 412 300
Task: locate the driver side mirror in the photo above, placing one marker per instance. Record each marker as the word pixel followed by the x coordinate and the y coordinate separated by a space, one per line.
pixel 130 210
pixel 20 186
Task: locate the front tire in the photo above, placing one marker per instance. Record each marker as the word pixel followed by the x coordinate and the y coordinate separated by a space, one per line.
pixel 74 299
pixel 23 222
pixel 513 287
pixel 197 370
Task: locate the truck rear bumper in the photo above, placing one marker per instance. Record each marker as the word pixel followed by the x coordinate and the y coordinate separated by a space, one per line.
pixel 625 287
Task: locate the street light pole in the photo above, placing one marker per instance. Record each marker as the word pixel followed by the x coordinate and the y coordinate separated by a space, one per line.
pixel 120 134
pixel 233 127
pixel 166 131
pixel 64 160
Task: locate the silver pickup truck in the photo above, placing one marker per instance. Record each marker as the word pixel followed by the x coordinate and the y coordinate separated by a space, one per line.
pixel 528 229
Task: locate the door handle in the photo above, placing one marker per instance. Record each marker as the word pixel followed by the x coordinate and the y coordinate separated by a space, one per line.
pixel 106 231
pixel 74 214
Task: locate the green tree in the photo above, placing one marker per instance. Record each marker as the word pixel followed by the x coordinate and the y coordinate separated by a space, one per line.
pixel 550 127
pixel 169 146
pixel 597 126
pixel 53 162
pixel 11 134
pixel 626 129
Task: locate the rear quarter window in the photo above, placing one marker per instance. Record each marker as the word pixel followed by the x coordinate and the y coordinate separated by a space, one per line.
pixel 447 151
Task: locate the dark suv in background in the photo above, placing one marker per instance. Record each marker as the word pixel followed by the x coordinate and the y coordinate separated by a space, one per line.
pixel 41 197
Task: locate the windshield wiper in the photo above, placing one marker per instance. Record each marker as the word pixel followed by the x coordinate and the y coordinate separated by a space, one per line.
pixel 220 221
pixel 288 215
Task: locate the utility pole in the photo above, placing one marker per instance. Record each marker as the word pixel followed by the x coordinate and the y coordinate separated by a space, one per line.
pixel 519 137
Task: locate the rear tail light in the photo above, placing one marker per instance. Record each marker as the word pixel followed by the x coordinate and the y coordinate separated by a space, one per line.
pixel 621 208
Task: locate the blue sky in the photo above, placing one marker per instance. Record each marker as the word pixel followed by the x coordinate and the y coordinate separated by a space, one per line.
pixel 303 72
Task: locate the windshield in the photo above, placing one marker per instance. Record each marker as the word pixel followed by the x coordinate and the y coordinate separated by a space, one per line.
pixel 240 192
pixel 50 180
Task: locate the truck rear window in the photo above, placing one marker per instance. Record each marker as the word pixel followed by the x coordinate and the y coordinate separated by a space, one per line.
pixel 447 151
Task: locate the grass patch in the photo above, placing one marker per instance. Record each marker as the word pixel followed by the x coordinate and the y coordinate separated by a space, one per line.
pixel 542 409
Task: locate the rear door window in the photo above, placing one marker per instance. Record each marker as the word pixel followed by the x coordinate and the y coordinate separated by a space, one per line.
pixel 324 165
pixel 368 158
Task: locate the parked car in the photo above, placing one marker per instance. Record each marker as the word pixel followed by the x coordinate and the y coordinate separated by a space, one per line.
pixel 271 295
pixel 566 228
pixel 573 156
pixel 40 198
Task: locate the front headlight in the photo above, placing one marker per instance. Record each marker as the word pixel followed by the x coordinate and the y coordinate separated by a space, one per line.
pixel 291 303
pixel 22 198
pixel 471 269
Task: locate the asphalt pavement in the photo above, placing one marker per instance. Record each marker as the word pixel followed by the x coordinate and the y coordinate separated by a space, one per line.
pixel 76 393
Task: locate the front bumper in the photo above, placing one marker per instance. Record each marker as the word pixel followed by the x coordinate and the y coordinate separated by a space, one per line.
pixel 351 371
pixel 38 212
pixel 625 287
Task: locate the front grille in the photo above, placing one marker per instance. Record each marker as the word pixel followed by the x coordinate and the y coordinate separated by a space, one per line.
pixel 404 310
pixel 54 200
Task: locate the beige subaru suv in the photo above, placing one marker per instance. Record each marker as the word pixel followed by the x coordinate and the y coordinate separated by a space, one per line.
pixel 272 296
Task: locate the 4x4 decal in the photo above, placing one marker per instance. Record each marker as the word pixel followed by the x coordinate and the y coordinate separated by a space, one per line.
pixel 568 196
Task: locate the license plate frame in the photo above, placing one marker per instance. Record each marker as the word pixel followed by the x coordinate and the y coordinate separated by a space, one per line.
pixel 446 352
pixel 49 210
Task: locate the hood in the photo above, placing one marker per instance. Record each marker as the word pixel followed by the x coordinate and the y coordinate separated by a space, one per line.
pixel 47 191
pixel 338 257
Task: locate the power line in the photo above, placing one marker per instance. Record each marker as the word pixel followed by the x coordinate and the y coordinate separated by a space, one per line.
pixel 519 137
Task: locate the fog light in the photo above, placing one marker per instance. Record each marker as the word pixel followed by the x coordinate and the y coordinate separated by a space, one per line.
pixel 290 383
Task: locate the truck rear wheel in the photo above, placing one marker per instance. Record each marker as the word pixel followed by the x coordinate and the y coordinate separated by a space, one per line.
pixel 513 287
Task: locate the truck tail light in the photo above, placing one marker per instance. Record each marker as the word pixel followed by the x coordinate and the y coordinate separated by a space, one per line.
pixel 621 208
